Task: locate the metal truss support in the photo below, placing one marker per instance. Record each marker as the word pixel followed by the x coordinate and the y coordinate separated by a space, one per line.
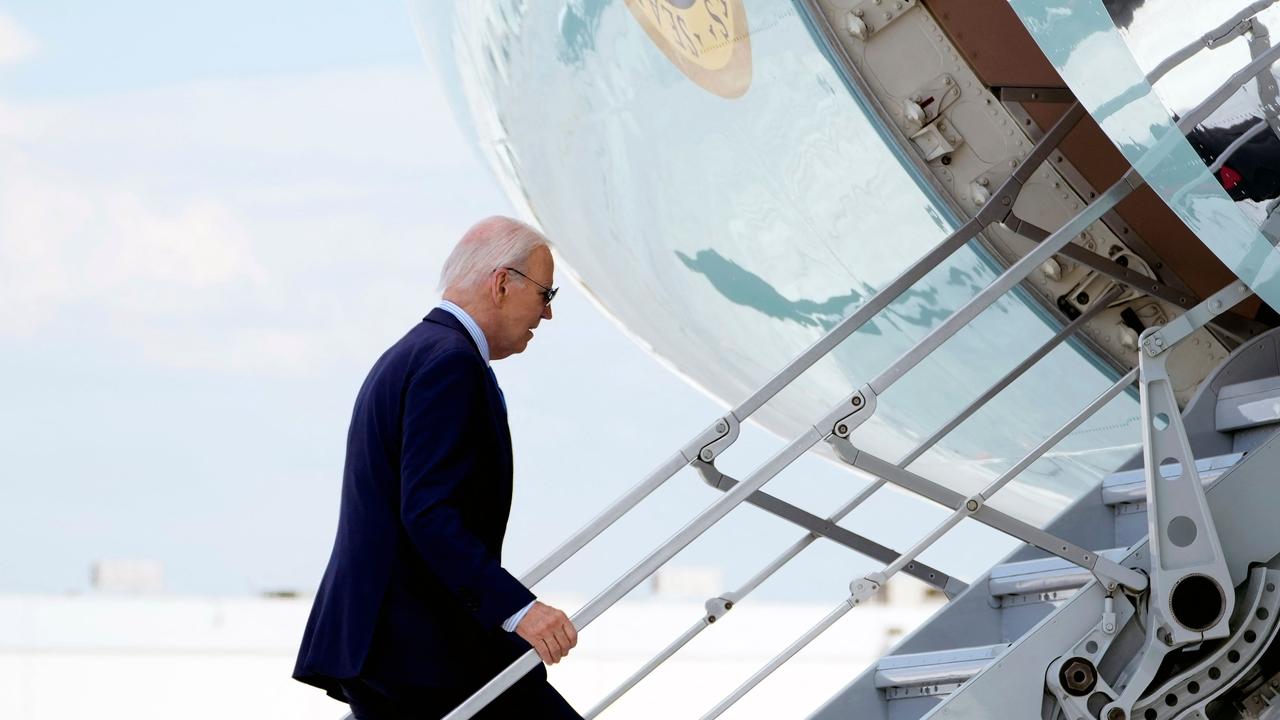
pixel 1235 326
pixel 718 606
pixel 827 528
pixel 1108 267
pixel 1069 674
pixel 862 589
pixel 1191 587
pixel 986 514
pixel 1227 666
pixel 1191 596
pixel 1108 571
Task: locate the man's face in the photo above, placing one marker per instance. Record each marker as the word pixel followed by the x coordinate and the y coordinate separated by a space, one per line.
pixel 525 306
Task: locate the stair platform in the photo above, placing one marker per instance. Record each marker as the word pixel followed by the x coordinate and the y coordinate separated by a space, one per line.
pixel 1130 486
pixel 932 673
pixel 1034 579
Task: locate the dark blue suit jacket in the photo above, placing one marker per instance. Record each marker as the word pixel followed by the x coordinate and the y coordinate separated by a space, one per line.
pixel 415 595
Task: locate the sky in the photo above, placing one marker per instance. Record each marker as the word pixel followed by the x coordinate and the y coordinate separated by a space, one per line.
pixel 213 218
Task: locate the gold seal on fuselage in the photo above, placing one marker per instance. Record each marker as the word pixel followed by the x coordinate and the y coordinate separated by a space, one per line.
pixel 707 39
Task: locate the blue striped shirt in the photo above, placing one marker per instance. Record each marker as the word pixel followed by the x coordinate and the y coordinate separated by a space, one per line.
pixel 472 328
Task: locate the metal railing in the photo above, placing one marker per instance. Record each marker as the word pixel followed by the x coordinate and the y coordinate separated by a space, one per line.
pixel 838 423
pixel 862 590
pixel 1233 28
pixel 718 606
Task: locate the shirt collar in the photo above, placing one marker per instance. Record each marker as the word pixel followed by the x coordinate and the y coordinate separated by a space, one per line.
pixel 469 323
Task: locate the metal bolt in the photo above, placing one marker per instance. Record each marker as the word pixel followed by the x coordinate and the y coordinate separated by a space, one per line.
pixel 1115 714
pixel 971 505
pixel 722 426
pixel 857 401
pixel 842 429
pixel 706 455
pixel 1078 676
pixel 1005 200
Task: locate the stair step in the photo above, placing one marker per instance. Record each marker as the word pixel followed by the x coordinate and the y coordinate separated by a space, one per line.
pixel 932 673
pixel 1041 576
pixel 1248 404
pixel 1130 486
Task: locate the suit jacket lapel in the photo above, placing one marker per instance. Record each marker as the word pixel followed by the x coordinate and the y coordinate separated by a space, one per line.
pixel 498 404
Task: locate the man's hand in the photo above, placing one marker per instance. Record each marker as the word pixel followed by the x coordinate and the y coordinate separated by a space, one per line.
pixel 549 631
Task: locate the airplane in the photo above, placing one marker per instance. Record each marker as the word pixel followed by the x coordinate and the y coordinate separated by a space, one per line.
pixel 1013 256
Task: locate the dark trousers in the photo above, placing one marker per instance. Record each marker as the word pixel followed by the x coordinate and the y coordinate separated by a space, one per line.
pixel 532 698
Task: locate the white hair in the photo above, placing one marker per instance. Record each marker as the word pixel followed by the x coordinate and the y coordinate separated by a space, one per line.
pixel 490 244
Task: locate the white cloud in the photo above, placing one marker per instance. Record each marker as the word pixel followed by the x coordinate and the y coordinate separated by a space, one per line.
pixel 65 243
pixel 16 44
pixel 278 225
pixel 375 115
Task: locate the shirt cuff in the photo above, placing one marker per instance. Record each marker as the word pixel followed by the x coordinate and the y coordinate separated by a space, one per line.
pixel 514 620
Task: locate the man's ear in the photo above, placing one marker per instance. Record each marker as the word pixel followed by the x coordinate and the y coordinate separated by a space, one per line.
pixel 499 287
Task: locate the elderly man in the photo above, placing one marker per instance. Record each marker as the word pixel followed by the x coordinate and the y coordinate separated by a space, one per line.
pixel 415 611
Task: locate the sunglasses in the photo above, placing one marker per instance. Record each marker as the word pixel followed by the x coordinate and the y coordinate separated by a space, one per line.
pixel 548 293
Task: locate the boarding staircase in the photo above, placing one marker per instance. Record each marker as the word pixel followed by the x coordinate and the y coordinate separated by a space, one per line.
pixel 1232 423
pixel 1088 619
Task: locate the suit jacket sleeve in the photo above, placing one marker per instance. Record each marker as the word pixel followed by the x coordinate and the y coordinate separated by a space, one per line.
pixel 436 459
